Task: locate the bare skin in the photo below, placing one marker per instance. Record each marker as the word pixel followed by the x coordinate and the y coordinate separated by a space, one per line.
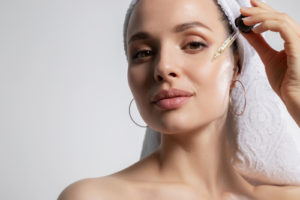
pixel 193 161
pixel 140 181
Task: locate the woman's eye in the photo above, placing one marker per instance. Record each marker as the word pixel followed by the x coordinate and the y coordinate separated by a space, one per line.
pixel 146 53
pixel 142 54
pixel 196 45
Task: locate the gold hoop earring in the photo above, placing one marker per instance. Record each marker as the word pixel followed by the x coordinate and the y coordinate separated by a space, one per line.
pixel 132 118
pixel 230 101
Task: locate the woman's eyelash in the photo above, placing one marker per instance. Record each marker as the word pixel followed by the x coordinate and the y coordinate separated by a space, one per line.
pixel 149 52
pixel 197 43
pixel 136 55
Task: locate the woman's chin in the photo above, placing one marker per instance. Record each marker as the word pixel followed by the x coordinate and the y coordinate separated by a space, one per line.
pixel 173 126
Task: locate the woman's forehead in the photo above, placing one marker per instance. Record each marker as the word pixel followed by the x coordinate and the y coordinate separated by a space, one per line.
pixel 166 14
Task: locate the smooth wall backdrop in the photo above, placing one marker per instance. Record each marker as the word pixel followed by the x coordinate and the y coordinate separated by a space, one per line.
pixel 64 94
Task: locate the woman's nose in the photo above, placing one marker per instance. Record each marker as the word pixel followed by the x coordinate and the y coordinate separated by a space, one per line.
pixel 165 68
pixel 160 77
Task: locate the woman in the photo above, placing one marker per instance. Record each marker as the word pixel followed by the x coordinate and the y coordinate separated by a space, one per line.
pixel 168 52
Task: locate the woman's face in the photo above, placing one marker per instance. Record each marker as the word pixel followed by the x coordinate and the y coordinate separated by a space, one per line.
pixel 164 54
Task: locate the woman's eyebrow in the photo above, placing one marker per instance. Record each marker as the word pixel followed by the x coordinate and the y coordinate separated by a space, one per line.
pixel 188 25
pixel 139 36
pixel 177 29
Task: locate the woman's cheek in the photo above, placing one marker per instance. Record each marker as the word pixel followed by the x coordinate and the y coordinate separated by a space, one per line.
pixel 223 81
pixel 136 79
pixel 213 80
pixel 225 74
pixel 131 80
pixel 203 74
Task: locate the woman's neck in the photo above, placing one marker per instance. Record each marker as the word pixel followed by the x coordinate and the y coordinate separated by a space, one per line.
pixel 200 158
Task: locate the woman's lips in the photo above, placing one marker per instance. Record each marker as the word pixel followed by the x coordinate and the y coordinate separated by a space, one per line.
pixel 172 103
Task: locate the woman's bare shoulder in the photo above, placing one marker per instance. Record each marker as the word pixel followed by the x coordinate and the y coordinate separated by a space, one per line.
pixel 278 192
pixel 103 188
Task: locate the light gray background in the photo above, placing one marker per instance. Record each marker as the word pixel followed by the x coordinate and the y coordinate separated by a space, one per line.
pixel 64 94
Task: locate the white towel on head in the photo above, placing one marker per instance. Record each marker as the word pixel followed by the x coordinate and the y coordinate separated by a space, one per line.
pixel 266 137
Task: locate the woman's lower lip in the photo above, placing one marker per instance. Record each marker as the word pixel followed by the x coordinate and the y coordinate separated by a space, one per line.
pixel 172 103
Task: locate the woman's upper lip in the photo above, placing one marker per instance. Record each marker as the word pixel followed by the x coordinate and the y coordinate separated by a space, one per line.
pixel 171 93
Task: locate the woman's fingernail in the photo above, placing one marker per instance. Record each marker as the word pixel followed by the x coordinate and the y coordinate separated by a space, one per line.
pixel 245 8
pixel 246 19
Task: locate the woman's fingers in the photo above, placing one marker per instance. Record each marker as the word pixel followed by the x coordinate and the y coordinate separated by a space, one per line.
pixel 283 28
pixel 265 18
pixel 257 3
pixel 262 11
pixel 274 22
pixel 291 22
pixel 282 18
pixel 248 11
